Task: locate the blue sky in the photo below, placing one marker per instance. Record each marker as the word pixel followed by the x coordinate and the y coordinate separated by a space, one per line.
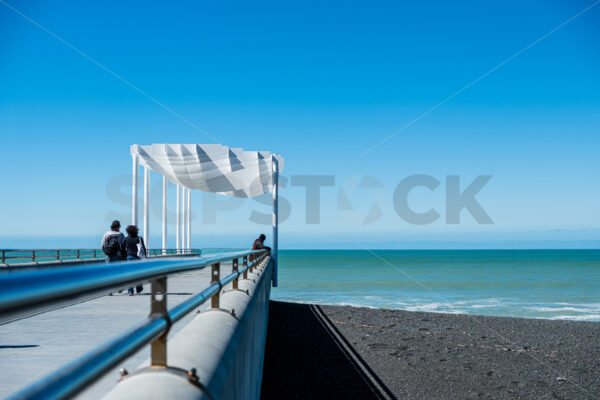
pixel 319 84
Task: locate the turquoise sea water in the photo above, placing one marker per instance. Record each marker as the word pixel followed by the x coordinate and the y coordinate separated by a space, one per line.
pixel 554 284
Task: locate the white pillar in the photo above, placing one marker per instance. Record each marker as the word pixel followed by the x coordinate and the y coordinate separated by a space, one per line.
pixel 164 214
pixel 178 220
pixel 147 206
pixel 274 252
pixel 134 187
pixel 189 221
pixel 183 218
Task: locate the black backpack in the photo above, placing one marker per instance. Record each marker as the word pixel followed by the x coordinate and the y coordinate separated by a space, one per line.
pixel 111 245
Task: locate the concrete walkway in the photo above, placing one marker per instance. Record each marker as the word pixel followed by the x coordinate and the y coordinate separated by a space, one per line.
pixel 34 347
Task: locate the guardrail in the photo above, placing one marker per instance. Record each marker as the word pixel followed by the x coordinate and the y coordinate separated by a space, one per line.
pixel 28 292
pixel 15 257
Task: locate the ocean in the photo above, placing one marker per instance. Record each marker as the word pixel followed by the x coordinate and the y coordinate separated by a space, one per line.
pixel 551 284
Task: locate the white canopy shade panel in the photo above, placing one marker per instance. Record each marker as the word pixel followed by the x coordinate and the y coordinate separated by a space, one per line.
pixel 211 167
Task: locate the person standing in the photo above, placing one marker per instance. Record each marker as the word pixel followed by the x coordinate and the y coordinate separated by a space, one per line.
pixel 134 249
pixel 259 243
pixel 112 243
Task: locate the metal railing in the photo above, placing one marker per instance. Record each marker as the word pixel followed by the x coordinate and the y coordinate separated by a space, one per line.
pixel 13 257
pixel 162 252
pixel 29 292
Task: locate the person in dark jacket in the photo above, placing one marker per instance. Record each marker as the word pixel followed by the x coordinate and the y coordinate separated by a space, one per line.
pixel 259 243
pixel 112 243
pixel 133 248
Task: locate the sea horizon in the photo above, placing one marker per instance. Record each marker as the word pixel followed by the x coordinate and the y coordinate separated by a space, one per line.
pixel 556 284
pixel 242 241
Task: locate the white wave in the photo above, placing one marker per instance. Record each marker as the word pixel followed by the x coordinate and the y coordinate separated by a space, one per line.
pixel 580 304
pixel 424 307
pixel 587 317
pixel 343 303
pixel 488 306
pixel 494 300
pixel 483 305
pixel 448 308
pixel 564 309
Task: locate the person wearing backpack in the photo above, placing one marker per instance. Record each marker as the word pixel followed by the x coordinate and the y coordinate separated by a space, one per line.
pixel 134 249
pixel 112 243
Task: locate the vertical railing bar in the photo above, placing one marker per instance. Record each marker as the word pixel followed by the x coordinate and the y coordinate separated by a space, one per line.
pixel 158 309
pixel 215 277
pixel 33 256
pixel 234 268
pixel 245 261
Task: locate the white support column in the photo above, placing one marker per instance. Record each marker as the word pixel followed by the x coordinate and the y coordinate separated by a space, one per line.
pixel 134 186
pixel 164 214
pixel 178 220
pixel 274 252
pixel 183 218
pixel 189 221
pixel 147 206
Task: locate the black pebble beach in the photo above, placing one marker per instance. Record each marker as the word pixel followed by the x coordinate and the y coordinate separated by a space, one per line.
pixel 362 353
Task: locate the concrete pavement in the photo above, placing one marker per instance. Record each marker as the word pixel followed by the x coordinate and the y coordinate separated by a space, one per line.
pixel 34 347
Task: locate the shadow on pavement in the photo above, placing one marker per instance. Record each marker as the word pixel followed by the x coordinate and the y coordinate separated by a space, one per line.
pixel 304 359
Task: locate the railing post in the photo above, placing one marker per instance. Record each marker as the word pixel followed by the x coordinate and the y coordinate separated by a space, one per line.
pixel 259 261
pixel 215 277
pixel 94 254
pixel 235 269
pixel 178 220
pixel 255 265
pixel 245 265
pixel 158 309
pixel 3 257
pixel 57 255
pixel 33 256
pixel 164 214
pixel 78 254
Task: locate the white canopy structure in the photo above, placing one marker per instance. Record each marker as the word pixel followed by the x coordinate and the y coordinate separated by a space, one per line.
pixel 211 167
pixel 208 167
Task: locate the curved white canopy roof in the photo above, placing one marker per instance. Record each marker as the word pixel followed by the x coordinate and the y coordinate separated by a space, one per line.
pixel 211 167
